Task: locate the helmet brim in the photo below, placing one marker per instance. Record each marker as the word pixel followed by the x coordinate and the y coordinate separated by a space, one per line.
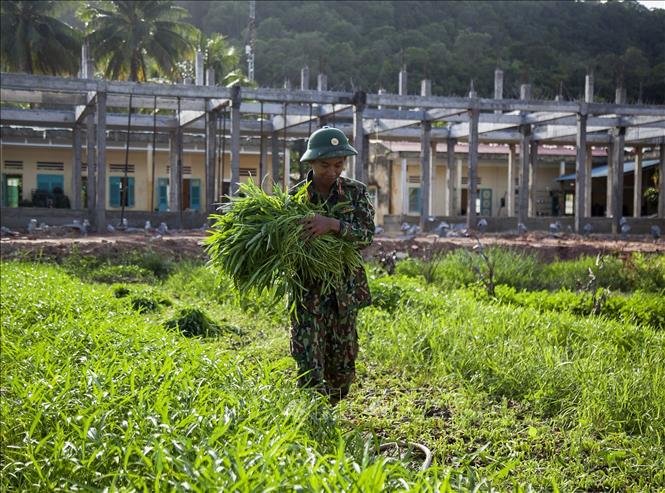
pixel 325 153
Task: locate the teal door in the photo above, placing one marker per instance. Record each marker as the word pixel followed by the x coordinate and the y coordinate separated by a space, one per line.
pixel 195 194
pixel 162 194
pixel 12 188
pixel 485 201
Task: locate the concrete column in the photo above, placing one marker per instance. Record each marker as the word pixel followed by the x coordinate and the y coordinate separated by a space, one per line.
pixel 580 171
pixel 210 77
pixel 100 204
pixel 426 87
pixel 512 174
pixel 274 152
pixel 402 83
pixel 425 175
pixel 76 167
pixel 210 160
pixel 525 92
pixel 588 88
pixel 533 157
pixel 321 82
pixel 588 181
pixel 198 69
pixel 235 140
pixel 175 173
pixel 433 177
pixel 405 187
pixel 380 92
pixel 304 78
pixel 498 85
pixel 150 186
pixel 287 168
pixel 637 184
pixel 263 164
pixel 562 168
pixel 451 178
pixel 87 72
pixel 523 187
pixel 357 162
pixel 403 91
pixel 661 186
pixel 609 201
pixel 618 137
pixel 91 182
pixel 474 115
pixel 458 185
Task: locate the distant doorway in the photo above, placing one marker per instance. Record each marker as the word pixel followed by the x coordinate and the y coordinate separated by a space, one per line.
pixel 12 190
pixel 191 193
pixel 162 194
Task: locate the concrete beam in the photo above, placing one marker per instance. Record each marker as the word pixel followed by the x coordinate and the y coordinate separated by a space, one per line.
pixel 63 84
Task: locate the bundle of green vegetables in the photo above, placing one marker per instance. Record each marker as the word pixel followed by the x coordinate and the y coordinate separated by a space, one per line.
pixel 258 241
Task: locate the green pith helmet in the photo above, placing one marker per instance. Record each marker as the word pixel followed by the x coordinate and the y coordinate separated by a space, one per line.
pixel 327 142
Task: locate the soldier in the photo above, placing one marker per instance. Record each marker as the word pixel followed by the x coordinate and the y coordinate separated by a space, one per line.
pixel 324 341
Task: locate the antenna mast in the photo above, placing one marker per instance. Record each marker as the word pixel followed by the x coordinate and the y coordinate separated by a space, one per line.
pixel 249 48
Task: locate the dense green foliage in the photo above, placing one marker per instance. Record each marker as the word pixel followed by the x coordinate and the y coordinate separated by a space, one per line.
pixel 258 241
pixel 33 40
pixel 526 388
pixel 127 36
pixel 363 44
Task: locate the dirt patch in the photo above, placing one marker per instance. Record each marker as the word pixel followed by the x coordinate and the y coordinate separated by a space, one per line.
pixel 182 246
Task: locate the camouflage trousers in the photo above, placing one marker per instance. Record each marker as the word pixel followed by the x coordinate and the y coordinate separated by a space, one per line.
pixel 324 345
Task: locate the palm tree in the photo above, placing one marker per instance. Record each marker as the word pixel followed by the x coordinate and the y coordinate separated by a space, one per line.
pixel 128 36
pixel 35 42
pixel 223 57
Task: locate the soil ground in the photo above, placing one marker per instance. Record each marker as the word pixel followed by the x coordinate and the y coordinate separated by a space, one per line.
pixel 188 245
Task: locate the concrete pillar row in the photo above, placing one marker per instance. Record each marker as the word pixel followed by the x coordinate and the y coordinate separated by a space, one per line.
pixel 512 174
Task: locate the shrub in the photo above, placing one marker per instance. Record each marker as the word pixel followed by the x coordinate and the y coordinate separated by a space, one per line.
pixel 159 265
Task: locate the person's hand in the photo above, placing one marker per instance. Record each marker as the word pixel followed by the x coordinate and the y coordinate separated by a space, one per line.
pixel 318 225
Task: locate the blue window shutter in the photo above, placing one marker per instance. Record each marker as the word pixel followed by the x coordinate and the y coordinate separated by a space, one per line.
pixel 195 194
pixel 130 191
pixel 114 191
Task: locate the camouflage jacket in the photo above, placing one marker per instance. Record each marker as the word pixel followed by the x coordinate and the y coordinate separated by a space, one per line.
pixel 357 226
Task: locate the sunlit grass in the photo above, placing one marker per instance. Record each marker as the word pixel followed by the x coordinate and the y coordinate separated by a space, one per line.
pixel 97 391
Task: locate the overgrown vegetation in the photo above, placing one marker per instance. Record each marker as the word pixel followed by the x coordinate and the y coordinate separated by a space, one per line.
pixel 522 388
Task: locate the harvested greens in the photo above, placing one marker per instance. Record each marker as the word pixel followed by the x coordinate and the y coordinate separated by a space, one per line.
pixel 257 240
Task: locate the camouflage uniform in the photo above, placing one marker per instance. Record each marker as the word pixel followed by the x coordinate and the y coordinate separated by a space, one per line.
pixel 324 341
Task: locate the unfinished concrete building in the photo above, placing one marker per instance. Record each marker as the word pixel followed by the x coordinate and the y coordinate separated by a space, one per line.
pixel 143 151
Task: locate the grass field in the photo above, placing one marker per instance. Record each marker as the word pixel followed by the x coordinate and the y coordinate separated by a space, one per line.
pixel 553 383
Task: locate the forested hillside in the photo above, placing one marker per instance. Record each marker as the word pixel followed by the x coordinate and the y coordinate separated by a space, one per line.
pixel 361 44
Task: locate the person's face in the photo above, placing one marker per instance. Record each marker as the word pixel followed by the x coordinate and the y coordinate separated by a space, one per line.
pixel 326 171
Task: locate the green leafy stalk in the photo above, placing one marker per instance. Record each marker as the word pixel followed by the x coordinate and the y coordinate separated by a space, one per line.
pixel 258 241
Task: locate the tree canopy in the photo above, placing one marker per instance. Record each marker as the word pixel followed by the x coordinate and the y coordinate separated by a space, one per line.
pixel 363 44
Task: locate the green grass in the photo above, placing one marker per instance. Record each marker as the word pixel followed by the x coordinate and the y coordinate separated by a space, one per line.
pixel 511 393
